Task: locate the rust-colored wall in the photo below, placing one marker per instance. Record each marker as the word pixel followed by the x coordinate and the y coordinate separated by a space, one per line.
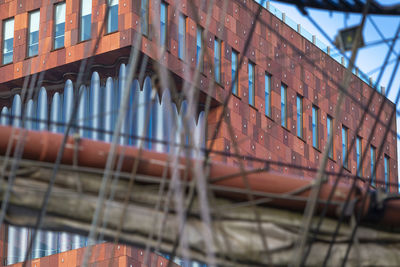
pixel 102 255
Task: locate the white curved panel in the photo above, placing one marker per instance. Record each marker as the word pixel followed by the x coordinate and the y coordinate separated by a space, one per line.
pixel 109 110
pixel 42 110
pixel 4 117
pixel 16 111
pixel 30 122
pixel 95 102
pixel 68 102
pixel 83 113
pixel 55 114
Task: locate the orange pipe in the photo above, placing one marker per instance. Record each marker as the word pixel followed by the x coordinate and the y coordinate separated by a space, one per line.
pixel 44 146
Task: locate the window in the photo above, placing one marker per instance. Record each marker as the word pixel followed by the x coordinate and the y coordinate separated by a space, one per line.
pixel 283 105
pixel 163 23
pixel 86 20
pixel 372 165
pixel 329 128
pixel 358 155
pixel 387 178
pixel 235 80
pixel 182 37
pixel 217 60
pixel 59 28
pixel 112 22
pixel 251 83
pixel 299 111
pixel 315 126
pixel 144 17
pixel 268 95
pixel 8 40
pixel 33 34
pixel 344 147
pixel 199 45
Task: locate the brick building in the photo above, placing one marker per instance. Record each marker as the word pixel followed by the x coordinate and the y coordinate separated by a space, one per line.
pixel 281 109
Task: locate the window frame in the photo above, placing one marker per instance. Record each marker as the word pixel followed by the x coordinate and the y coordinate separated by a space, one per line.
pixel 251 88
pixel 182 17
pixel 345 147
pixel 4 40
pixel 235 72
pixel 28 33
pixel 284 104
pixel 80 21
pixel 299 116
pixel 199 61
pixel 359 151
pixel 165 43
pixel 55 25
pixel 315 126
pixel 329 132
pixel 145 32
pixel 386 171
pixel 267 94
pixel 218 65
pixel 109 17
pixel 372 152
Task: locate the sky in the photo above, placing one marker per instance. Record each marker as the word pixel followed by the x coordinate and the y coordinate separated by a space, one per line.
pixel 371 57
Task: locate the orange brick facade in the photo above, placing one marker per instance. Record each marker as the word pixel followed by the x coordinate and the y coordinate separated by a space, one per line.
pixel 275 49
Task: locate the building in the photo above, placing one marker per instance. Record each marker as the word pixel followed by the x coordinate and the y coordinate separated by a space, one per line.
pixel 281 108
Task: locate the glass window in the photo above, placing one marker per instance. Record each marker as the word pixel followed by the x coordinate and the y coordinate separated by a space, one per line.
pixel 315 126
pixel 372 165
pixel 283 105
pixel 144 17
pixel 217 60
pixel 163 23
pixel 112 23
pixel 182 37
pixel 33 34
pixel 358 155
pixel 344 147
pixel 299 109
pixel 59 28
pixel 268 95
pixel 235 80
pixel 387 166
pixel 8 40
pixel 251 83
pixel 329 128
pixel 86 20
pixel 199 44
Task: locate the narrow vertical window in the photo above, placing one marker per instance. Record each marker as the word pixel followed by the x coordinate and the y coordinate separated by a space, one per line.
pixel 329 128
pixel 358 155
pixel 268 95
pixel 59 28
pixel 86 20
pixel 163 23
pixel 144 17
pixel 283 105
pixel 235 80
pixel 33 34
pixel 199 45
pixel 217 60
pixel 251 83
pixel 372 165
pixel 344 147
pixel 315 126
pixel 112 22
pixel 299 111
pixel 387 177
pixel 8 40
pixel 182 37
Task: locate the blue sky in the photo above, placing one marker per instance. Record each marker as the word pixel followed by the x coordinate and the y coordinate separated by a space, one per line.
pixel 371 57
